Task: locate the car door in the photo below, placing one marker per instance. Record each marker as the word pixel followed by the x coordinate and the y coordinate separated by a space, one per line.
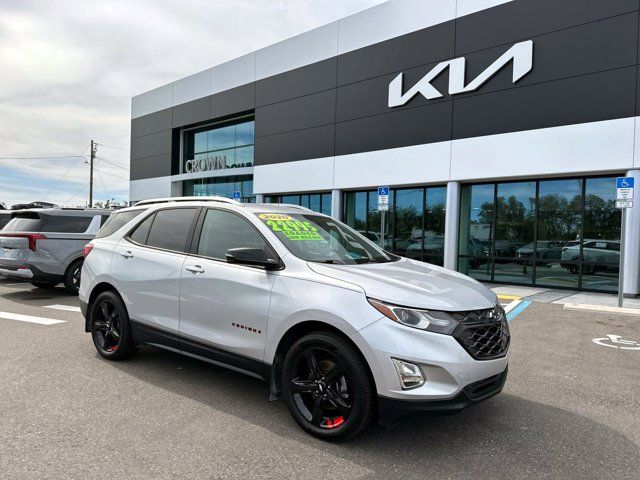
pixel 146 269
pixel 224 307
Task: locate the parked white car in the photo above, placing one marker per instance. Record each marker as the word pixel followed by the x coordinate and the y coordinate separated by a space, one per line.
pixel 342 330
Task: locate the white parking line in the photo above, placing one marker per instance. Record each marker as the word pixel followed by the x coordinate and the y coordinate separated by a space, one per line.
pixel 30 319
pixel 602 308
pixel 66 308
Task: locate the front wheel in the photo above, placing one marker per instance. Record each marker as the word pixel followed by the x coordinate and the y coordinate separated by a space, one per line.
pixel 327 387
pixel 110 327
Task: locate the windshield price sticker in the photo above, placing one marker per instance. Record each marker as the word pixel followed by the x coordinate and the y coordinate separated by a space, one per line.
pixel 292 229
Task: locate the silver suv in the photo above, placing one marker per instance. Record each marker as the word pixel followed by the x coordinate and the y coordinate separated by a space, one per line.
pixel 45 246
pixel 345 332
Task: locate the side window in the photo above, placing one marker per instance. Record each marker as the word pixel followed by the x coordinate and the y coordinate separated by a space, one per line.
pixel 66 224
pixel 116 221
pixel 170 229
pixel 141 233
pixel 224 230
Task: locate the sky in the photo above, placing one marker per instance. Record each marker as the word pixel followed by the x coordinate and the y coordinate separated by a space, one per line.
pixel 69 70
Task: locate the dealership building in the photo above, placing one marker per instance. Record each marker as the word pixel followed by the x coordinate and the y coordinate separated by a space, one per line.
pixel 499 126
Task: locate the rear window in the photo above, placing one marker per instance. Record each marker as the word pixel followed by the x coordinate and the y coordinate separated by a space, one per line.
pixel 34 222
pixel 24 222
pixel 4 219
pixel 166 229
pixel 116 221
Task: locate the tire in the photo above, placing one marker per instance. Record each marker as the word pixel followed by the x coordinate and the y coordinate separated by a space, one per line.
pixel 44 285
pixel 110 327
pixel 72 277
pixel 344 394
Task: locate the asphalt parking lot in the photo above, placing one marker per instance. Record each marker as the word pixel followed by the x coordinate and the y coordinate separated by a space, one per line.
pixel 570 410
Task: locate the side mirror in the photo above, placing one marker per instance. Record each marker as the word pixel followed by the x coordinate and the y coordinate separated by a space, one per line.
pixel 251 256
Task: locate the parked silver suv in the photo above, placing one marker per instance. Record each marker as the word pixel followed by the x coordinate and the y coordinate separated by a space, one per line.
pixel 45 246
pixel 341 329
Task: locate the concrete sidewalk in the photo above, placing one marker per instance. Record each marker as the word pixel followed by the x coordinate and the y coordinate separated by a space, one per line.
pixel 604 302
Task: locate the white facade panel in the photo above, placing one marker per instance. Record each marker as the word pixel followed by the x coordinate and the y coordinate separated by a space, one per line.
pixel 152 101
pixel 234 73
pixel 572 149
pixel 467 7
pixel 392 19
pixel 192 87
pixel 303 176
pixel 310 47
pixel 159 187
pixel 398 166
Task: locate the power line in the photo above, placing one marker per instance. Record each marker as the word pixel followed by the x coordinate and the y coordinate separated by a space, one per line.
pixel 43 158
pixel 111 146
pixel 113 164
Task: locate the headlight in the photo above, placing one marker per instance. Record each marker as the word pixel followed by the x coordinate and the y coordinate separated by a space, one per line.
pixel 431 320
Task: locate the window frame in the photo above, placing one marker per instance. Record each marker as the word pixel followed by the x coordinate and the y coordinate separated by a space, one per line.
pixel 197 233
pixel 190 232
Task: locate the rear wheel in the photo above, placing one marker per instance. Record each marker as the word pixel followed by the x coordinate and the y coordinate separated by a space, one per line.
pixel 44 285
pixel 72 277
pixel 327 387
pixel 110 327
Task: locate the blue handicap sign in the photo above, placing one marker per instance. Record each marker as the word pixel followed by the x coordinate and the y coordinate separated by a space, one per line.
pixel 237 195
pixel 383 191
pixel 624 182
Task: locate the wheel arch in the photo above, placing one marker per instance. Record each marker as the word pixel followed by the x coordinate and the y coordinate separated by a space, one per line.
pixel 97 290
pixel 293 334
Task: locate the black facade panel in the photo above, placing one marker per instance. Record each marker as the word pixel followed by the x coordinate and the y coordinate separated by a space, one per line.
pixel 151 167
pixel 297 114
pixel 151 145
pixel 401 128
pixel 588 98
pixel 302 81
pixel 590 48
pixel 233 101
pixel 418 48
pixel 371 97
pixel 315 142
pixel 191 112
pixel 152 123
pixel 523 19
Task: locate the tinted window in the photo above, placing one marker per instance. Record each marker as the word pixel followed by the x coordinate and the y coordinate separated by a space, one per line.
pixel 66 224
pixel 141 233
pixel 170 229
pixel 25 222
pixel 4 219
pixel 116 221
pixel 223 230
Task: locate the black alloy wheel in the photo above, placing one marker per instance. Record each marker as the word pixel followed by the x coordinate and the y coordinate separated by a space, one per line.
pixel 72 277
pixel 110 327
pixel 327 387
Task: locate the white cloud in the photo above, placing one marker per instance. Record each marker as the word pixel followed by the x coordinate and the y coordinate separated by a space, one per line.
pixel 70 68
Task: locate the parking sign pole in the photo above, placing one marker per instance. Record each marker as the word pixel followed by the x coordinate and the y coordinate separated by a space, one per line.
pixel 382 229
pixel 621 267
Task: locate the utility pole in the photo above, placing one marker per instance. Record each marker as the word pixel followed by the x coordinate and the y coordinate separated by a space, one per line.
pixel 94 149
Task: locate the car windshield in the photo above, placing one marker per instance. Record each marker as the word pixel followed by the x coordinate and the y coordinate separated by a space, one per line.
pixel 316 238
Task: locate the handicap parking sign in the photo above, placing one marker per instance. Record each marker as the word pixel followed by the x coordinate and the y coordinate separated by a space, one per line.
pixel 237 195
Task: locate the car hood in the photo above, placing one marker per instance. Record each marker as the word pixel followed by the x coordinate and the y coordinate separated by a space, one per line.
pixel 413 284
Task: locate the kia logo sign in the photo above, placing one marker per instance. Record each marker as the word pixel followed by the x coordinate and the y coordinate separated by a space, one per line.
pixel 521 55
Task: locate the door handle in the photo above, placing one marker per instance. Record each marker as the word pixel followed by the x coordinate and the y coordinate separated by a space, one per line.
pixel 126 254
pixel 195 269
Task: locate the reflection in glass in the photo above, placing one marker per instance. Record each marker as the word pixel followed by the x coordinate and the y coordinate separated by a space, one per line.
pixel 434 216
pixel 409 213
pixel 223 186
pixel 515 218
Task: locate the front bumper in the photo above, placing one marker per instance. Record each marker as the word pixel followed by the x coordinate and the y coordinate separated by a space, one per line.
pixel 446 366
pixel 392 409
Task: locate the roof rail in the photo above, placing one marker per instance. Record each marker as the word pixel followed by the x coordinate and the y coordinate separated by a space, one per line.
pixel 292 205
pixel 152 201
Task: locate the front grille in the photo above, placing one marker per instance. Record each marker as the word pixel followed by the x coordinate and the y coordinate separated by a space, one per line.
pixel 484 334
pixel 487 387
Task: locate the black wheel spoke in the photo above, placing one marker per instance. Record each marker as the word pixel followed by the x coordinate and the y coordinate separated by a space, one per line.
pixel 301 386
pixel 100 326
pixel 313 364
pixel 318 406
pixel 334 374
pixel 115 334
pixel 338 402
pixel 104 308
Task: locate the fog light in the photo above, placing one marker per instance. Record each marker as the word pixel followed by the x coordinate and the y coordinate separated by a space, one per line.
pixel 410 375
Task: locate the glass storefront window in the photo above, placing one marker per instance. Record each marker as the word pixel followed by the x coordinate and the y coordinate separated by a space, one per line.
pixel 218 147
pixel 318 202
pixel 409 214
pixel 222 186
pixel 556 233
